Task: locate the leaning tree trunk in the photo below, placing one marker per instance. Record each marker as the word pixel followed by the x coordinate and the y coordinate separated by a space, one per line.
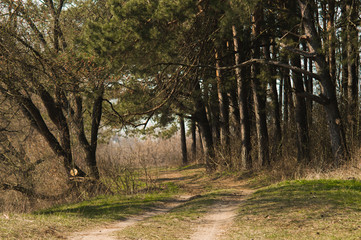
pixel 328 90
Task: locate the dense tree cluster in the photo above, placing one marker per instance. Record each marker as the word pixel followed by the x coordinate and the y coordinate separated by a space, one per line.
pixel 261 80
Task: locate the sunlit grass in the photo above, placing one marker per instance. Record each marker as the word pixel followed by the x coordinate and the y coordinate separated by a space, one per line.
pixel 305 209
pixel 55 222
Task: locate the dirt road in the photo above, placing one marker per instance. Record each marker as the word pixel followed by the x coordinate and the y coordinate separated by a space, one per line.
pixel 211 225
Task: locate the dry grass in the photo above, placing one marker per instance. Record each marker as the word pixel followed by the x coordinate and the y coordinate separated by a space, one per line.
pixel 141 153
pixel 129 167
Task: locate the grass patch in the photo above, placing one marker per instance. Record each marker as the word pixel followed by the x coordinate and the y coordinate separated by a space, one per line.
pixel 319 209
pixel 177 223
pixel 52 223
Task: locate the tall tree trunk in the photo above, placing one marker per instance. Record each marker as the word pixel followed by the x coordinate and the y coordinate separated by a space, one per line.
pixel 242 90
pixel 276 146
pixel 352 66
pixel 200 139
pixel 223 104
pixel 259 92
pixel 344 52
pixel 301 119
pixel 212 112
pixel 206 132
pixel 183 140
pixel 303 143
pixel 288 108
pixel 331 39
pixel 96 118
pixel 328 90
pixel 194 139
pixel 234 109
pixel 308 81
pixel 89 147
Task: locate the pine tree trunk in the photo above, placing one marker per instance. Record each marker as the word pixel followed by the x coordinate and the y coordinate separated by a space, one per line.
pixel 183 141
pixel 242 90
pixel 308 82
pixel 223 104
pixel 206 132
pixel 352 67
pixel 275 103
pixel 303 143
pixel 259 93
pixel 331 39
pixel 194 139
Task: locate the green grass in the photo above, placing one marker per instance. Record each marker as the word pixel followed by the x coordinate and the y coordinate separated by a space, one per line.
pixel 318 209
pixel 304 209
pixel 53 223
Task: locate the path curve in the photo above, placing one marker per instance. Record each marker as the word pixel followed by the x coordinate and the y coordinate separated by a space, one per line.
pixel 106 232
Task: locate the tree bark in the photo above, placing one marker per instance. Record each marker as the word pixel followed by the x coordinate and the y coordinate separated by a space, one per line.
pixel 223 104
pixel 259 92
pixel 205 128
pixel 242 91
pixel 330 17
pixel 271 72
pixel 308 82
pixel 303 143
pixel 183 140
pixel 194 139
pixel 89 148
pixel 352 66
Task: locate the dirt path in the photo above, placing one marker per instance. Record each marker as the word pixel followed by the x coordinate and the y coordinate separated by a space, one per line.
pixel 215 223
pixel 105 232
pixel 218 220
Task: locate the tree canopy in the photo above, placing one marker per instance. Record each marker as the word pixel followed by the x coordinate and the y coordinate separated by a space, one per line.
pixel 261 80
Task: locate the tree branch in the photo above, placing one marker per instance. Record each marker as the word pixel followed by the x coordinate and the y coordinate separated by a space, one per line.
pixel 306 54
pixel 32 193
pixel 319 99
pixel 249 62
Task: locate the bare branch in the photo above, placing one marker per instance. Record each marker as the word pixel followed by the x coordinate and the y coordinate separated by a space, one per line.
pixel 32 193
pixel 306 54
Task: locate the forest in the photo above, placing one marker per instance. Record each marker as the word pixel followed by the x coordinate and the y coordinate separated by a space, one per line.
pixel 247 85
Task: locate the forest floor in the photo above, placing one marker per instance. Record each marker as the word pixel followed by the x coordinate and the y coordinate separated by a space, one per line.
pixel 196 205
pixel 205 209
